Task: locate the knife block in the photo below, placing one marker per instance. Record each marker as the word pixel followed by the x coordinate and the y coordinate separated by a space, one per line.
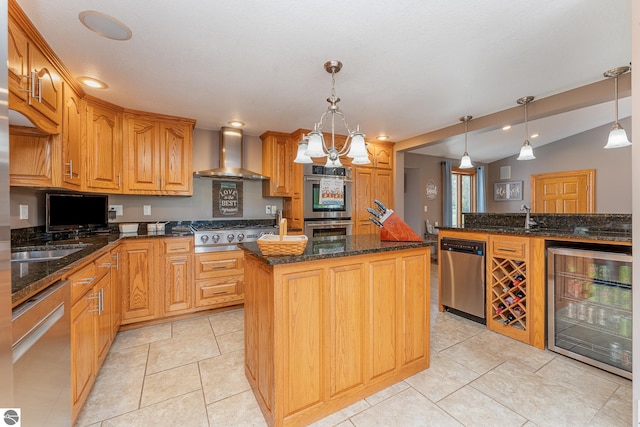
pixel 394 229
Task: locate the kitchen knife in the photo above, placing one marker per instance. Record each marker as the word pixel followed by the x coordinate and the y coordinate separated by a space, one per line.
pixel 383 208
pixel 375 221
pixel 374 212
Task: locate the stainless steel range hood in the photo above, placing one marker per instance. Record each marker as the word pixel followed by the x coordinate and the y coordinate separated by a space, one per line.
pixel 230 159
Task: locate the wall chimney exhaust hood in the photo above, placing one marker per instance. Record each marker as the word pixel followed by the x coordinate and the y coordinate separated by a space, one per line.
pixel 230 159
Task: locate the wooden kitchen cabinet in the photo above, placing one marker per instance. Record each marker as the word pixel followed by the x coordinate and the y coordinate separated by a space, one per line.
pixel 73 164
pixel 178 275
pixel 515 302
pixel 369 184
pixel 219 278
pixel 158 156
pixel 103 130
pixel 380 154
pixel 91 325
pixel 320 336
pixel 138 280
pixel 82 353
pixel 34 157
pixel 278 153
pixel 35 85
pixel 292 207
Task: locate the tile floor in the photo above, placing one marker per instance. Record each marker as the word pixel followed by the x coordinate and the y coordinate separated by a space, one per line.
pixel 190 373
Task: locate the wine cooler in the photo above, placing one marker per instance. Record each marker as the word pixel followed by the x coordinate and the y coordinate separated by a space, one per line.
pixel 589 307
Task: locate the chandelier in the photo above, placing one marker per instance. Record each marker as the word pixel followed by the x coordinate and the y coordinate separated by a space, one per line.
pixel 314 144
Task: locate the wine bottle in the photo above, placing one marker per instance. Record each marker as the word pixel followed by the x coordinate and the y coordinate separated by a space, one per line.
pixel 510 318
pixel 501 307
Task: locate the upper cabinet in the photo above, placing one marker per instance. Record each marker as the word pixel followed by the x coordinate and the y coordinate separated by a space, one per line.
pixel 33 157
pixel 35 85
pixel 72 146
pixel 104 146
pixel 158 157
pixel 80 142
pixel 278 152
pixel 380 155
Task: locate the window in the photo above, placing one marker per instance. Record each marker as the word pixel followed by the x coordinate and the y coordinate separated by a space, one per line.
pixel 463 194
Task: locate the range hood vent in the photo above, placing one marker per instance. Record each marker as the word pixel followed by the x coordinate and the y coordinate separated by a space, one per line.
pixel 230 159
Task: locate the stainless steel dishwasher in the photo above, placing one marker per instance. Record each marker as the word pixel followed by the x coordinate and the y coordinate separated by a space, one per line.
pixel 42 357
pixel 462 278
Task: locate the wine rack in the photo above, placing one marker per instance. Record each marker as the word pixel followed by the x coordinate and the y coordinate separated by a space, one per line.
pixel 508 294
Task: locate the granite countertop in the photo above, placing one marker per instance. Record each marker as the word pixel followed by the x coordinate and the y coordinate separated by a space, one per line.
pixel 578 233
pixel 334 248
pixel 29 278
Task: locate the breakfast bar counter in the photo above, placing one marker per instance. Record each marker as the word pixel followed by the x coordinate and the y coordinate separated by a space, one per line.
pixel 340 322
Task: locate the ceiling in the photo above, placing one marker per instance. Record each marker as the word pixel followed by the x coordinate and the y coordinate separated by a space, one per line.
pixel 410 67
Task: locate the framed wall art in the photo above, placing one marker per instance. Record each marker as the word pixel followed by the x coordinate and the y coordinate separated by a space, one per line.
pixel 507 191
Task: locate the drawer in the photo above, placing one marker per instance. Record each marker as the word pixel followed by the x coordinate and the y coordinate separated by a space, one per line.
pixel 82 280
pixel 219 290
pixel 216 264
pixel 103 265
pixel 509 247
pixel 178 245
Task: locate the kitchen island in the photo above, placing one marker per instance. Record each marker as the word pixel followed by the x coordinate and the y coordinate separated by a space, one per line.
pixel 345 319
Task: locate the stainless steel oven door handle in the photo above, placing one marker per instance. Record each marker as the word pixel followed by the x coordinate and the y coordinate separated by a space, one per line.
pixel 317 179
pixel 332 224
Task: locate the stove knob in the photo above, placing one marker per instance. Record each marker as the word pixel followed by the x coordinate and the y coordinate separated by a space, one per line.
pixel 215 238
pixel 204 238
pixel 230 237
pixel 240 237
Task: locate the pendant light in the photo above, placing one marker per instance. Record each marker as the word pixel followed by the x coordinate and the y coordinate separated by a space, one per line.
pixel 617 137
pixel 526 151
pixel 465 161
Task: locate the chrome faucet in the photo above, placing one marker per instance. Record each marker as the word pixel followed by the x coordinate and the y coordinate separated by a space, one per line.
pixel 528 222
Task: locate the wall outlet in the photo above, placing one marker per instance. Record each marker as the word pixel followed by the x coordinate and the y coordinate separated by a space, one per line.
pixel 267 210
pixel 24 211
pixel 425 208
pixel 117 208
pixel 146 210
pixel 274 209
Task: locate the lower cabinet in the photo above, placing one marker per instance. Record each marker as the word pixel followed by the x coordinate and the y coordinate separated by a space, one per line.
pixel 320 335
pixel 138 280
pixel 92 330
pixel 219 279
pixel 178 275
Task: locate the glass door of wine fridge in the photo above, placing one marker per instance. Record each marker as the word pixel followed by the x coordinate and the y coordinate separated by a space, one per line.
pixel 589 307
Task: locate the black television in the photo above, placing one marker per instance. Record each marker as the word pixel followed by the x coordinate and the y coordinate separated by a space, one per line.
pixel 76 212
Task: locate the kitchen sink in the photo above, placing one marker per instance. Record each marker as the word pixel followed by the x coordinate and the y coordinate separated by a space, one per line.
pixel 42 254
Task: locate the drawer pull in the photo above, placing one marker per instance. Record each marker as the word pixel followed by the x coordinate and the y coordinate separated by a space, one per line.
pixel 507 249
pixel 86 281
pixel 105 265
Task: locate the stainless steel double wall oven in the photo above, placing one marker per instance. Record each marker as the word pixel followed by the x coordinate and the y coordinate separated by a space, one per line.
pixel 327 219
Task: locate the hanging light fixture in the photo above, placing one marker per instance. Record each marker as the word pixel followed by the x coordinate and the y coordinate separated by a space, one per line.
pixel 526 151
pixel 354 146
pixel 465 161
pixel 617 137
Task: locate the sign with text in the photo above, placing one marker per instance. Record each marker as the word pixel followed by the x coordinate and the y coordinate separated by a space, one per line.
pixel 227 199
pixel 506 191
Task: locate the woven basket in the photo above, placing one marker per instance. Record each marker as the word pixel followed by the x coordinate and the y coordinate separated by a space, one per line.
pixel 282 244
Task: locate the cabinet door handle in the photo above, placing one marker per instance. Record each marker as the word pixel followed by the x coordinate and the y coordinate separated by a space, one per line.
pixel 117 258
pixel 118 179
pixel 70 164
pixel 105 265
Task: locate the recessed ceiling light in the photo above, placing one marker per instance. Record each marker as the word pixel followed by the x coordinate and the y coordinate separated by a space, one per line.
pixel 236 123
pixel 534 135
pixel 105 25
pixel 382 137
pixel 507 127
pixel 91 82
